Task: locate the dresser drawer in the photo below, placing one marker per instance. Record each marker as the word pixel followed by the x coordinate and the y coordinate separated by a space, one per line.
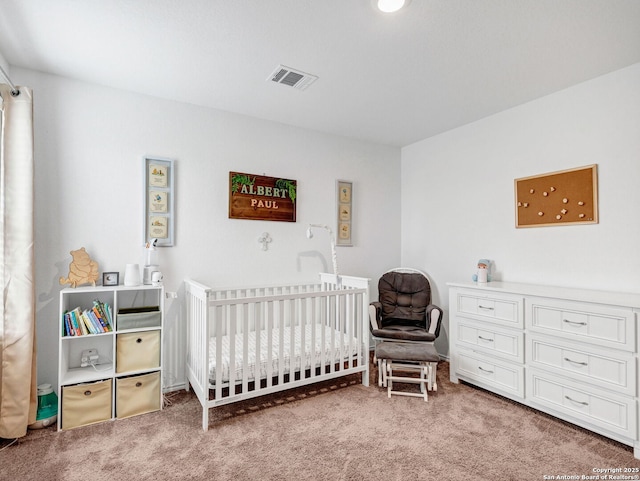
pixel 598 324
pixel 500 375
pixel 607 369
pixel 605 410
pixel 491 339
pixel 505 310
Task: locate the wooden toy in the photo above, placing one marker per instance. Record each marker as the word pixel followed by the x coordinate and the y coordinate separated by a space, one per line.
pixel 82 269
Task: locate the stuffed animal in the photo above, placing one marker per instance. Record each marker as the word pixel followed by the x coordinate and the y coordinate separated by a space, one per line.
pixel 82 269
pixel 483 274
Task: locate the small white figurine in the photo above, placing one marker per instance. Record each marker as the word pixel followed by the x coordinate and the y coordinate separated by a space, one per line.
pixel 483 274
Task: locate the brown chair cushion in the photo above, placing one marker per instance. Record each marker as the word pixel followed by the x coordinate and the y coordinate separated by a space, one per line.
pixel 404 333
pixel 405 297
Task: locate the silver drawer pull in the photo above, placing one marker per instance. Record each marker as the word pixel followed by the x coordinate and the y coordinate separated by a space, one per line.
pixel 575 362
pixel 574 322
pixel 485 370
pixel 487 308
pixel 577 402
pixel 485 339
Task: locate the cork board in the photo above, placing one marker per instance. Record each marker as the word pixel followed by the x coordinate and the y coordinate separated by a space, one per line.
pixel 558 198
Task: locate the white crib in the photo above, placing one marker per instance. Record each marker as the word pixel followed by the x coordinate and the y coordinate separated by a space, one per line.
pixel 248 342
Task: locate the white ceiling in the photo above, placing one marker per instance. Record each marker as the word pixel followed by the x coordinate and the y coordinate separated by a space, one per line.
pixel 393 79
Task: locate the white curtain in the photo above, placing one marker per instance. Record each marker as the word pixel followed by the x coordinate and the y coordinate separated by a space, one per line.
pixel 18 382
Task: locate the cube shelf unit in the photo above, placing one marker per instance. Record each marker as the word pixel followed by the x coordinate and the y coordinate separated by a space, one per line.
pixel 126 379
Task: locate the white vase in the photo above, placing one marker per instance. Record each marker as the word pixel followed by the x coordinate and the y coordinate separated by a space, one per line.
pixel 132 275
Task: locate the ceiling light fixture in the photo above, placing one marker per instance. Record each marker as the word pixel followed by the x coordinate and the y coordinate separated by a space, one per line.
pixel 390 6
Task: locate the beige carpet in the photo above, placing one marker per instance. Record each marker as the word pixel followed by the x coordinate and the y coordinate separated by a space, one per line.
pixel 333 431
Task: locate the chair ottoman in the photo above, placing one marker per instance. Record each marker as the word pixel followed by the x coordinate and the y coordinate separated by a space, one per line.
pixel 407 357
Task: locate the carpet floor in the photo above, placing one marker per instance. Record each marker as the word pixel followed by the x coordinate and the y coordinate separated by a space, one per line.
pixel 339 430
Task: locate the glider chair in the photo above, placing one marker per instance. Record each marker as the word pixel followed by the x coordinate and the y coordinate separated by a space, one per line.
pixel 404 325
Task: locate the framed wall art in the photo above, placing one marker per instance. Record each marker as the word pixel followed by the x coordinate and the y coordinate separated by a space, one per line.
pixel 344 191
pixel 558 198
pixel 258 197
pixel 159 198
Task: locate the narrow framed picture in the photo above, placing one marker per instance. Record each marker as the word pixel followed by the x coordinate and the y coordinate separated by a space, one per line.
pixel 344 201
pixel 159 200
pixel 110 278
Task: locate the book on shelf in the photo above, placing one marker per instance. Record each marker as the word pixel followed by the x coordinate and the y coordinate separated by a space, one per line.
pixel 94 320
pixel 74 322
pixel 98 317
pixel 68 327
pixel 83 327
pixel 102 310
pixel 88 323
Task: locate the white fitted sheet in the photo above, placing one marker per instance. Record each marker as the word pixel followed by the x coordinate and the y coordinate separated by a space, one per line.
pixel 342 350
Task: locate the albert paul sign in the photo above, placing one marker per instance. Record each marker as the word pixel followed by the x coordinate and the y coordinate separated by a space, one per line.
pixel 261 198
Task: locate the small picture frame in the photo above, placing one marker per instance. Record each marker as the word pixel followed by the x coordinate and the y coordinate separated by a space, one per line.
pixel 110 278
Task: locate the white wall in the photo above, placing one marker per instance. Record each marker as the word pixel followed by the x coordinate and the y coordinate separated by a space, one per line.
pixel 456 200
pixel 458 192
pixel 90 142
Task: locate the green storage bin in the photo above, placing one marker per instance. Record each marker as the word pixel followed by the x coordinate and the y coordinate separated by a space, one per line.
pixel 138 317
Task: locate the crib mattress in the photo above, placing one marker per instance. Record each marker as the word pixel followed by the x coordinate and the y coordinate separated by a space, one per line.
pixel 310 350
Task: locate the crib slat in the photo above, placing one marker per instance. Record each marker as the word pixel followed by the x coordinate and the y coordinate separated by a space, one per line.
pixel 245 347
pixel 269 333
pixel 333 319
pixel 231 327
pixel 302 326
pixel 324 316
pixel 291 340
pixel 280 318
pixel 313 320
pixel 218 337
pixel 257 307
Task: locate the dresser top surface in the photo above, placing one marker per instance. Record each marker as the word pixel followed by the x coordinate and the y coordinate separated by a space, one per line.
pixel 626 299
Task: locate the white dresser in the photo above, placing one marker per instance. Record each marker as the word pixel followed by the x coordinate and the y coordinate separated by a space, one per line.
pixel 572 353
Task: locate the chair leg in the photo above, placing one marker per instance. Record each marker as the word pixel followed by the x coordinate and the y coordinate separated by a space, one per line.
pixel 434 380
pixel 388 381
pixel 384 372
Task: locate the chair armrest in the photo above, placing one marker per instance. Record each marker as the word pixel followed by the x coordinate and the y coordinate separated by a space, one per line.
pixel 375 315
pixel 434 319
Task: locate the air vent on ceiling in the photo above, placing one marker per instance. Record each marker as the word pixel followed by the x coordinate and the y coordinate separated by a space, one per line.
pixel 291 77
